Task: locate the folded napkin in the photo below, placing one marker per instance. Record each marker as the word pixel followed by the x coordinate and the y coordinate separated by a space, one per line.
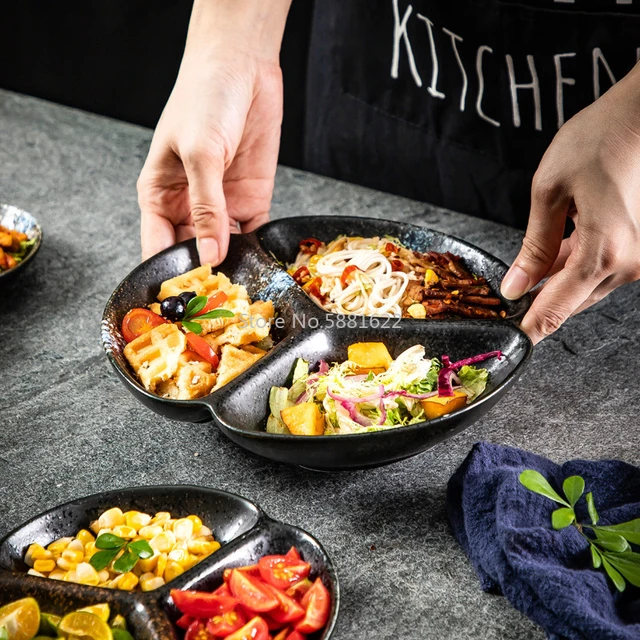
pixel 505 529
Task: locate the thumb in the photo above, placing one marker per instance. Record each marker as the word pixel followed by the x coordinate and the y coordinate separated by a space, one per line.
pixel 541 243
pixel 209 210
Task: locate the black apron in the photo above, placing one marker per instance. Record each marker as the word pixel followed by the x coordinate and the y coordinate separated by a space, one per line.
pixel 454 102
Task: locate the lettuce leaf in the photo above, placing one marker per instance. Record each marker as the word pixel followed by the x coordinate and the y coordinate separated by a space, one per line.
pixel 474 381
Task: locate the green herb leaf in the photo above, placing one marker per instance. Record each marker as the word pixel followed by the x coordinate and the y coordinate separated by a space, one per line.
pixel 593 514
pixel 628 564
pixel 616 578
pixel 629 530
pixel 537 483
pixel 141 548
pixel 4 634
pixel 595 555
pixel 573 488
pixel 194 327
pixel 102 559
pixel 216 313
pixel 125 562
pixel 121 634
pixel 110 541
pixel 562 518
pixel 610 541
pixel 195 304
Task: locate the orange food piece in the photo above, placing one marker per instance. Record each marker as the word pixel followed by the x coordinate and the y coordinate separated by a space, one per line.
pixel 438 406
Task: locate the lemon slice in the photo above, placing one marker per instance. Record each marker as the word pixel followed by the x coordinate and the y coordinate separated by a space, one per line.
pixel 101 610
pixel 83 623
pixel 21 619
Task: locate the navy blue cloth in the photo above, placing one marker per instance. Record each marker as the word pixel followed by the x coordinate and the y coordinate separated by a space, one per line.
pixel 506 532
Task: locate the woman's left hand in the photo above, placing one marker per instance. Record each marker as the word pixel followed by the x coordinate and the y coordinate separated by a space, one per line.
pixel 591 173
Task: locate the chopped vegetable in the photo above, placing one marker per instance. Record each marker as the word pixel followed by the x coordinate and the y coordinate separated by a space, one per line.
pixel 303 419
pixel 139 321
pixel 14 247
pixel 369 356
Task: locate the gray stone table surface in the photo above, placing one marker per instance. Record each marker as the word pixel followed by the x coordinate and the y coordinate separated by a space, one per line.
pixel 69 428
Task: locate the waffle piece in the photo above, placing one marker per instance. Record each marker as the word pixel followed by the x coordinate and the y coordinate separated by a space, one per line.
pixel 193 379
pixel 233 362
pixel 239 307
pixel 155 355
pixel 255 326
pixel 204 283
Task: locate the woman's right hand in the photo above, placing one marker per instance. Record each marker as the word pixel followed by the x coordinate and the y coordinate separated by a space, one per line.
pixel 212 162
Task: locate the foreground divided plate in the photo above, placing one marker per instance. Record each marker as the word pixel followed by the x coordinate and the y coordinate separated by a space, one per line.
pixel 241 407
pixel 245 532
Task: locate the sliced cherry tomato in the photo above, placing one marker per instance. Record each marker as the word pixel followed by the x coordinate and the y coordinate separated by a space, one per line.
pixel 288 610
pixel 283 634
pixel 313 288
pixel 221 626
pixel 317 602
pixel 279 572
pixel 310 245
pixel 215 301
pixel 299 589
pixel 295 635
pixel 301 275
pixel 198 631
pixel 251 593
pixel 185 622
pixel 347 274
pixel 202 605
pixel 390 247
pixel 203 349
pixel 139 321
pixel 293 555
pixel 255 629
pixel 251 569
pixel 223 590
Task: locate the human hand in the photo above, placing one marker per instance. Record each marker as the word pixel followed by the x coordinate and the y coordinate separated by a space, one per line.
pixel 212 162
pixel 591 173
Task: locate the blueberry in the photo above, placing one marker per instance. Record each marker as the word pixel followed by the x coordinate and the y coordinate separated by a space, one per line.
pixel 186 296
pixel 173 308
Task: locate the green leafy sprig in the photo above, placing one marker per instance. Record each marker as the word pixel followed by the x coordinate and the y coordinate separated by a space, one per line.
pixel 110 546
pixel 191 322
pixel 610 545
pixel 4 634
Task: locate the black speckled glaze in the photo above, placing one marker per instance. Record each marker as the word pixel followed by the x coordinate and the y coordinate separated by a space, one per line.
pixel 244 530
pixel 14 218
pixel 241 408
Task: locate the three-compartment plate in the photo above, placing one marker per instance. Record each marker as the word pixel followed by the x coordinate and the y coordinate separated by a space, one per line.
pixel 256 260
pixel 245 532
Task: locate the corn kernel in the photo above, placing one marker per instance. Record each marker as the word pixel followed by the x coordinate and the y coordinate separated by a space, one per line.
pixel 149 564
pixel 161 517
pixel 197 524
pixel 191 562
pixel 70 576
pixel 200 547
pixel 149 584
pixel 28 556
pixel 33 572
pixel 74 552
pixel 150 531
pixel 85 536
pixel 136 519
pixel 205 531
pixel 167 525
pixel 57 574
pixel 161 565
pixel 90 549
pixel 66 565
pixel 417 311
pixel 430 277
pixel 103 576
pixel 172 571
pixel 111 518
pixel 183 529
pixel 123 531
pixel 95 526
pixel 44 566
pixel 128 582
pixel 58 546
pixel 163 542
pixel 86 574
pixel 178 555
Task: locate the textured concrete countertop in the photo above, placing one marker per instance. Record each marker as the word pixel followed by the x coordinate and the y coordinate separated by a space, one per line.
pixel 69 428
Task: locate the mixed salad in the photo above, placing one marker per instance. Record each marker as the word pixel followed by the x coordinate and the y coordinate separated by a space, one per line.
pixel 371 391
pixel 14 247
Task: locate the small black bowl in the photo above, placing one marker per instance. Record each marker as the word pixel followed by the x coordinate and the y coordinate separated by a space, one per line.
pixel 245 532
pixel 13 218
pixel 255 260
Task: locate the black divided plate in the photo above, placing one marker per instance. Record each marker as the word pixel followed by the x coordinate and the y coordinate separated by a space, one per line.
pixel 245 532
pixel 241 407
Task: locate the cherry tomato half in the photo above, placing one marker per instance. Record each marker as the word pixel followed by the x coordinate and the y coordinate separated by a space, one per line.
pixel 317 602
pixel 301 275
pixel 223 590
pixel 295 635
pixel 202 605
pixel 222 626
pixel 203 349
pixel 251 569
pixel 251 593
pixel 279 572
pixel 299 589
pixel 313 288
pixel 310 245
pixel 185 622
pixel 288 609
pixel 198 631
pixel 347 274
pixel 293 555
pixel 255 629
pixel 215 301
pixel 139 321
pixel 282 635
